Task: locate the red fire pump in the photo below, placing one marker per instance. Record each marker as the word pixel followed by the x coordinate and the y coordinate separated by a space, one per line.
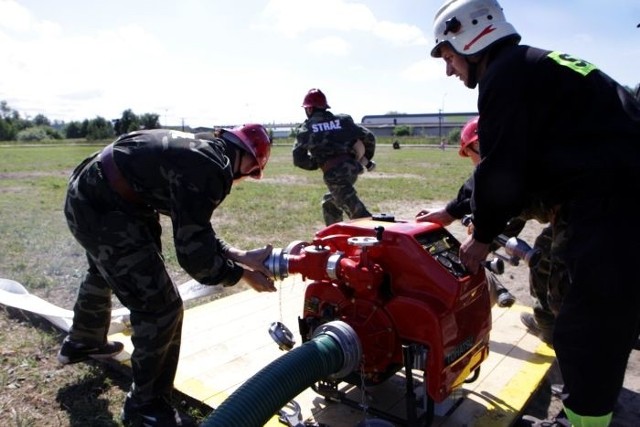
pixel 402 288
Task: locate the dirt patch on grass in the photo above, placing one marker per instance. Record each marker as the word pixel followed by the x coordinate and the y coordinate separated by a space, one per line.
pixel 32 174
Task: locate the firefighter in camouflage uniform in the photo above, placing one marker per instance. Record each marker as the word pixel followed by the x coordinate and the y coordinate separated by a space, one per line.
pixel 113 204
pixel 341 149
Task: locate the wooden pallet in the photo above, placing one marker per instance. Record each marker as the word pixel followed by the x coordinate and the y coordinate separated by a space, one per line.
pixel 227 341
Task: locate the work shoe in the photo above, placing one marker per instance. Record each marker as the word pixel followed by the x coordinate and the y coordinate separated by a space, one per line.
pixel 73 352
pixel 157 413
pixel 534 328
pixel 557 390
pixel 551 422
pixel 505 298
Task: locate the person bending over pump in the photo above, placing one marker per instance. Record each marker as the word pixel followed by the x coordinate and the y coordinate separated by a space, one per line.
pixel 459 207
pixel 113 203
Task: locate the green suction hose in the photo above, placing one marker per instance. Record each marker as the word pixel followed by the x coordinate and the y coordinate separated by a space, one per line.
pixel 333 352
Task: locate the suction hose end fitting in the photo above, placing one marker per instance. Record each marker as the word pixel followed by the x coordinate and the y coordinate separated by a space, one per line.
pixel 348 341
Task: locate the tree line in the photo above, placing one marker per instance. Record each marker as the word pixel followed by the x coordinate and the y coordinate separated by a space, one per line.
pixel 14 127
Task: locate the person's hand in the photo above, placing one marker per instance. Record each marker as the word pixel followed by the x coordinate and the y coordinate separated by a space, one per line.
pixel 253 259
pixel 470 229
pixel 472 253
pixel 370 166
pixel 258 281
pixel 441 216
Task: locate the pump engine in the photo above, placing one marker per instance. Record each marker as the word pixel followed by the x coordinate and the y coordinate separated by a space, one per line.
pixel 402 288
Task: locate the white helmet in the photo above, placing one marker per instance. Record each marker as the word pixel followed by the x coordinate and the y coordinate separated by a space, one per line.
pixel 470 26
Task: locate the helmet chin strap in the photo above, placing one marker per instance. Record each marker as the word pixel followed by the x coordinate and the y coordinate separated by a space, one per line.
pixel 234 154
pixel 237 163
pixel 472 75
pixel 477 64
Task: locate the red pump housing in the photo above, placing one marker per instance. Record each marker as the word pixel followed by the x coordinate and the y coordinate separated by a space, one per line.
pixel 397 284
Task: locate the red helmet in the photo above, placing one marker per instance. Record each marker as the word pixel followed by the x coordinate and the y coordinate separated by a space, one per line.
pixel 254 139
pixel 468 135
pixel 315 98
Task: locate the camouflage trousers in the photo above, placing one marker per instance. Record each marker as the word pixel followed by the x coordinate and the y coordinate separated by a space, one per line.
pixel 548 279
pixel 125 257
pixel 342 196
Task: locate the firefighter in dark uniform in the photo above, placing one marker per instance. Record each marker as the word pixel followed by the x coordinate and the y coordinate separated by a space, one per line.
pixel 339 147
pixel 556 129
pixel 460 206
pixel 113 204
pixel 547 280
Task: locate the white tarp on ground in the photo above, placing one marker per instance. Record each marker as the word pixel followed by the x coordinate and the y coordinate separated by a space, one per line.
pixel 13 294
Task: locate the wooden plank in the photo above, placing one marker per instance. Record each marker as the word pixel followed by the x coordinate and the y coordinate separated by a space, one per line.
pixel 515 368
pixel 226 342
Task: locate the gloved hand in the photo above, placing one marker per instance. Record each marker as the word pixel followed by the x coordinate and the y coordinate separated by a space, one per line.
pixel 258 281
pixel 367 164
pixel 253 259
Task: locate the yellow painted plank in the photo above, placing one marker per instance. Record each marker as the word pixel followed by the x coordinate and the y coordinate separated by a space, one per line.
pixel 226 342
pixel 498 398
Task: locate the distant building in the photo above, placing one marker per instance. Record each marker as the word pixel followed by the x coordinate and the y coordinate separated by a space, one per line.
pixel 428 124
pixel 279 131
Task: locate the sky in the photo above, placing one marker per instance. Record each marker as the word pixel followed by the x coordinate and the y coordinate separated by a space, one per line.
pixel 220 62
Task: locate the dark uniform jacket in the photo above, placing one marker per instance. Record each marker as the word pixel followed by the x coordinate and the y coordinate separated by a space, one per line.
pixel 461 205
pixel 325 136
pixel 551 127
pixel 185 177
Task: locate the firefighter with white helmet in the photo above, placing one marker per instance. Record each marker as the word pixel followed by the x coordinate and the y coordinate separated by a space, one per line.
pixel 556 130
pixel 470 27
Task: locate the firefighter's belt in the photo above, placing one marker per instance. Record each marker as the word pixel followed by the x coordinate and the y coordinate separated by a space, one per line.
pixel 115 178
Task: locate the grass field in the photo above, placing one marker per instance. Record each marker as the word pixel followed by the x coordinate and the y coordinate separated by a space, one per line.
pixel 37 250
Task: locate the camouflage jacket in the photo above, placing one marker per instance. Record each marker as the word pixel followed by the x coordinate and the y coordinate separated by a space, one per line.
pixel 324 136
pixel 183 176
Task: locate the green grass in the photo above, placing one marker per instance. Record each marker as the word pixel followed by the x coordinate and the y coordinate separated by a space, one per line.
pixel 39 252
